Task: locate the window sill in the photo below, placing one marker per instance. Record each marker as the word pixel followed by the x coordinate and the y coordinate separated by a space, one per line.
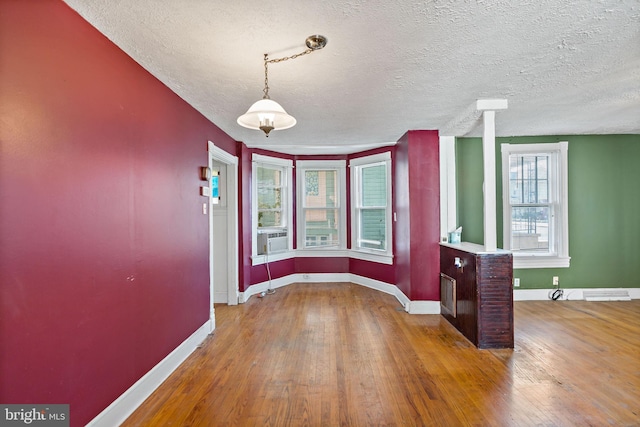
pixel 525 261
pixel 332 252
pixel 323 253
pixel 370 256
pixel 263 259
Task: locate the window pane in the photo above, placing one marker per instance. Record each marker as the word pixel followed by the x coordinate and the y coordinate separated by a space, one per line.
pixel 373 229
pixel 269 218
pixel 269 177
pixel 269 198
pixel 530 229
pixel 374 186
pixel 529 178
pixel 270 192
pixel 321 227
pixel 535 212
pixel 321 189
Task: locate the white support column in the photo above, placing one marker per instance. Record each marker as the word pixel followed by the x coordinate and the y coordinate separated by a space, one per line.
pixel 489 186
pixel 448 215
pixel 488 106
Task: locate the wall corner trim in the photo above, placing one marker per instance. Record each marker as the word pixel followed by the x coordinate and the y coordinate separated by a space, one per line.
pixel 121 408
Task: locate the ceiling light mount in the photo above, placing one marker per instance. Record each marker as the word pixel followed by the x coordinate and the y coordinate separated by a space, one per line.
pixel 266 114
pixel 316 42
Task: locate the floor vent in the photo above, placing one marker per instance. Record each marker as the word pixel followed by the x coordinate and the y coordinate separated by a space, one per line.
pixel 607 295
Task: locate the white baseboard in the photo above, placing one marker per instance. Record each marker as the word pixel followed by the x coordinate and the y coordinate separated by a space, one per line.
pixel 292 278
pixel 568 294
pixel 411 307
pixel 116 413
pixel 377 285
pixel 634 293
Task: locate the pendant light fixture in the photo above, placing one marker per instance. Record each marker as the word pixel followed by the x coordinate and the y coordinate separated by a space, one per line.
pixel 266 114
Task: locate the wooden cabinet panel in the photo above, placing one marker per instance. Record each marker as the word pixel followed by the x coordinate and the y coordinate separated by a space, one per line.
pixel 484 294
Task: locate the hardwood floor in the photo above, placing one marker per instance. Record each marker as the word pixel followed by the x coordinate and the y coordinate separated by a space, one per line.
pixel 342 354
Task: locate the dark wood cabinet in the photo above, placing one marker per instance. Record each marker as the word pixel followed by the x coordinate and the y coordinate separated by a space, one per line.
pixel 476 293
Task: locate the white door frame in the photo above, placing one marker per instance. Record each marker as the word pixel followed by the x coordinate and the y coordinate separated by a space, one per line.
pixel 231 192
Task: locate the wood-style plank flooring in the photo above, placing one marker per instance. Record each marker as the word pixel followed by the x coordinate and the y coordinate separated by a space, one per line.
pixel 344 355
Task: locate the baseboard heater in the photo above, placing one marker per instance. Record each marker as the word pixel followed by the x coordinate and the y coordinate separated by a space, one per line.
pixel 606 295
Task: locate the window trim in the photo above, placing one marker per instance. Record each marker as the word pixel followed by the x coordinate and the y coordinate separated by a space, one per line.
pixel 561 258
pixel 340 166
pixel 370 254
pixel 287 166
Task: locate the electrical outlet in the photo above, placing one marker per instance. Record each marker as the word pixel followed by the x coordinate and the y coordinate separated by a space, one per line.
pixel 516 281
pixel 556 281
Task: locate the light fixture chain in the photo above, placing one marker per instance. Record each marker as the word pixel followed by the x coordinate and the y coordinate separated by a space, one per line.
pixel 288 57
pixel 268 61
pixel 266 79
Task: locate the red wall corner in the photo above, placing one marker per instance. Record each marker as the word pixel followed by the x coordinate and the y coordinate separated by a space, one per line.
pixel 417 207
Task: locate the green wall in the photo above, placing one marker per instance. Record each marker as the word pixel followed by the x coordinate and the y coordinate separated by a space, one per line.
pixel 604 208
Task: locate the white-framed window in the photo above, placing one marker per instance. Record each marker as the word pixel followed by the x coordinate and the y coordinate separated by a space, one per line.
pixel 535 204
pixel 371 227
pixel 321 206
pixel 272 213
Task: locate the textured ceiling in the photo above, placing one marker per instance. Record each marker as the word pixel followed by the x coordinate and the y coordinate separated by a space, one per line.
pixel 565 66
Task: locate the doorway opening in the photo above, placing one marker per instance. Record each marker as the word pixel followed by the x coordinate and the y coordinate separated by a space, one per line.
pixel 223 228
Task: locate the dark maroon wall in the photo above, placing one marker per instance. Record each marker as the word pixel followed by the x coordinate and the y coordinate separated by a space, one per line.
pixel 373 270
pixel 402 226
pixel 244 209
pixel 417 205
pixel 424 187
pixel 104 259
pixel 322 265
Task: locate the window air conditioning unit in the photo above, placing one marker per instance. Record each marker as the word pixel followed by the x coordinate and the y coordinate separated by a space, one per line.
pixel 272 242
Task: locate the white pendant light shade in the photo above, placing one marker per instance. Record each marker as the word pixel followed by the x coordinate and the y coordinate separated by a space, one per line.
pixel 266 115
